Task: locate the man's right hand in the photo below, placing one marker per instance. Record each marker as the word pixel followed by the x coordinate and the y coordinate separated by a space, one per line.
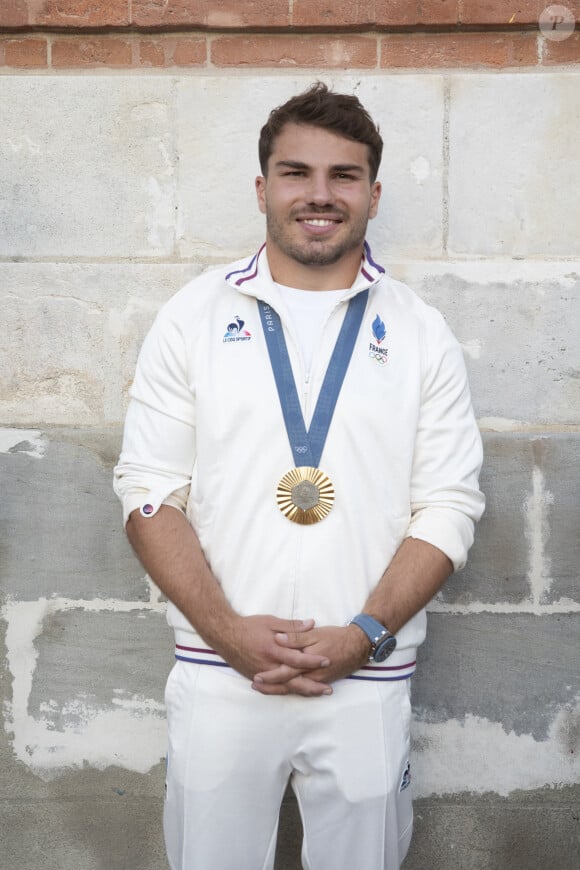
pixel 249 646
pixel 170 552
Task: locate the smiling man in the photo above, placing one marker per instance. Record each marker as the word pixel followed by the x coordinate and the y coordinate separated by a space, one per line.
pixel 316 211
pixel 299 477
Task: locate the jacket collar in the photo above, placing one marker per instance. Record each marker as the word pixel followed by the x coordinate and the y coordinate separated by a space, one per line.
pixel 253 278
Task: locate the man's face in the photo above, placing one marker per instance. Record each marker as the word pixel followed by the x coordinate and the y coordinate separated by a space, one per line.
pixel 317 196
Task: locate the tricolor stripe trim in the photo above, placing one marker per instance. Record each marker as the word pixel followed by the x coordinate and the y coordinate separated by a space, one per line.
pixel 249 272
pixel 382 673
pixel 202 656
pixel 251 268
pixel 369 256
pixel 199 656
pixel 368 261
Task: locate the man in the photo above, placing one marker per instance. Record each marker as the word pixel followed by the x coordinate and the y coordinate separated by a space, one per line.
pixel 299 477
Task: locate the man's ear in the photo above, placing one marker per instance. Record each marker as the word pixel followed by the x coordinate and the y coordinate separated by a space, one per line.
pixel 261 193
pixel 376 191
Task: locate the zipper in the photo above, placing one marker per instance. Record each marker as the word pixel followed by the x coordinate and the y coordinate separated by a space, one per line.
pixel 305 395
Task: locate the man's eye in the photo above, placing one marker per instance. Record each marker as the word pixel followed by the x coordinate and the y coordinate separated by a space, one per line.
pixel 344 176
pixel 295 172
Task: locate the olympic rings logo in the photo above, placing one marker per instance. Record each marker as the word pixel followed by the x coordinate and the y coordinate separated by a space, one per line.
pixel 379 357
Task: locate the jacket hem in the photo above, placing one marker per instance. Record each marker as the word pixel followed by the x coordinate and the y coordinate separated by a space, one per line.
pixel 401 664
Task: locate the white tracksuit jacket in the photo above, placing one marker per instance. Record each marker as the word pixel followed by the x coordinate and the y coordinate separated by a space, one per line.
pixel 204 433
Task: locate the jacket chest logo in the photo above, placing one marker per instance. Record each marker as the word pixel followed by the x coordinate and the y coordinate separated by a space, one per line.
pixel 379 332
pixel 235 331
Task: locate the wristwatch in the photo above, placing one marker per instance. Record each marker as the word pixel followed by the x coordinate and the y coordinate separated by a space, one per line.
pixel 382 641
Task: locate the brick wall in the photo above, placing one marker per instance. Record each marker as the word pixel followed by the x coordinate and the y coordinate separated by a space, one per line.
pixel 293 34
pixel 127 153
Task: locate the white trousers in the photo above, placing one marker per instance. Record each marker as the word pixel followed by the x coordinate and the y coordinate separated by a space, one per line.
pixel 233 750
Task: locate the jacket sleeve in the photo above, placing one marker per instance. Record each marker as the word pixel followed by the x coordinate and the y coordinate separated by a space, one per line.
pixel 158 451
pixel 445 498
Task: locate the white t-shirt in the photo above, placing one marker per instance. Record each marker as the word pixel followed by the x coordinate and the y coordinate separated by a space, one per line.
pixel 308 310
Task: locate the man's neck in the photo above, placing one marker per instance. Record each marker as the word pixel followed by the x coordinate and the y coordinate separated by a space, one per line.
pixel 335 276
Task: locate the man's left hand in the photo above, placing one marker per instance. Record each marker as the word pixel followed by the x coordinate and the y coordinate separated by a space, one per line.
pixel 346 648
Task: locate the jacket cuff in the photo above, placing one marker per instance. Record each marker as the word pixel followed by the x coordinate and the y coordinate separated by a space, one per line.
pixel 449 530
pixel 148 502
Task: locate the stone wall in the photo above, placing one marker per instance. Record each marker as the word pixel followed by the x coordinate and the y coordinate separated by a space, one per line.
pixel 117 185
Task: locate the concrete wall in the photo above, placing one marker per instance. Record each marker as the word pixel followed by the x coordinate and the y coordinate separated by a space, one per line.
pixel 115 189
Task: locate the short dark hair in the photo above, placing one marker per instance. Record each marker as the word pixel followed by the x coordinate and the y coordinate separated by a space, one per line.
pixel 342 114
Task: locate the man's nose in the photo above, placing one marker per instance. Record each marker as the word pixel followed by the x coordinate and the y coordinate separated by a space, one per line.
pixel 319 190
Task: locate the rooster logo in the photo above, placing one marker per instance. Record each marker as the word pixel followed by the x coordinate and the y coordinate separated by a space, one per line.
pixel 235 330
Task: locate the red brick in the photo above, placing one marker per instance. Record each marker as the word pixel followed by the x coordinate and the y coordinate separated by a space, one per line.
pixel 565 52
pixel 225 15
pixel 79 14
pixel 499 12
pixel 172 51
pixel 25 53
pixel 13 13
pixel 187 52
pixel 96 51
pixel 151 52
pixel 398 13
pixel 289 51
pixel 425 50
pixel 344 14
pixel 439 12
pixel 74 14
pixel 334 14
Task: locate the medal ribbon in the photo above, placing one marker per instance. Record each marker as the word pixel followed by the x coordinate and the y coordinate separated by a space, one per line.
pixel 307 446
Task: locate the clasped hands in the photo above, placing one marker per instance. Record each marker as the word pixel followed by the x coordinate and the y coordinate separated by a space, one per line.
pixel 283 657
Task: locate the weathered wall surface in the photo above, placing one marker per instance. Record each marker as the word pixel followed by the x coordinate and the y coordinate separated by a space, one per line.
pixel 117 188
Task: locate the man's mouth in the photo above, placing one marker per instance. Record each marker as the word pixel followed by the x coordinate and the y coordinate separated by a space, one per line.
pixel 318 222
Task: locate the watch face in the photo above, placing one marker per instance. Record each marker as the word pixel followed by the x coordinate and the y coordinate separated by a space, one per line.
pixel 384 648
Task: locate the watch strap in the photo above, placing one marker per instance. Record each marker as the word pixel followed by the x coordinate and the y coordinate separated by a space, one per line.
pixel 373 629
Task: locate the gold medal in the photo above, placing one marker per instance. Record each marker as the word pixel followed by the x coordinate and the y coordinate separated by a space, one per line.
pixel 305 495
